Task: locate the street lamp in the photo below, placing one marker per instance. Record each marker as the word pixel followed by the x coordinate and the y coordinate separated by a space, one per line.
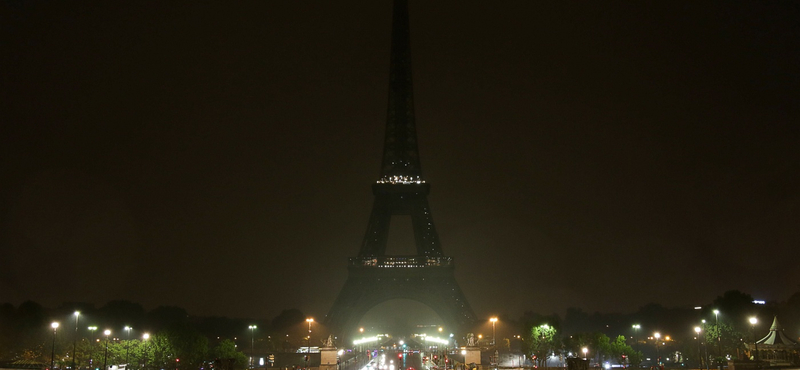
pixel 105 357
pixel 127 344
pixel 252 345
pixel 75 340
pixel 753 322
pixel 585 350
pixel 636 328
pixel 145 337
pixel 494 334
pixel 308 342
pixel 719 333
pixel 697 330
pixel 92 329
pixel 53 350
pixel 361 346
pixel 657 335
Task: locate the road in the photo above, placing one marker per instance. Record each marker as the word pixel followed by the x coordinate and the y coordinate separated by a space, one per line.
pixel 396 361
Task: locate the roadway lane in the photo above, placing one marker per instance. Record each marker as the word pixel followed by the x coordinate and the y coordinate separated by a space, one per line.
pixel 395 361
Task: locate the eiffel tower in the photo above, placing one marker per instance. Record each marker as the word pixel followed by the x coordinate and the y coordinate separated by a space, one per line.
pixel 373 276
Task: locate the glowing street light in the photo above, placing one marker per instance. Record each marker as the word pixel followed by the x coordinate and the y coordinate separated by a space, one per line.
pixel 697 330
pixel 585 350
pixel 252 343
pixel 75 340
pixel 636 328
pixel 105 358
pixel 145 337
pixel 753 321
pixel 54 325
pixel 127 344
pixel 719 333
pixel 494 333
pixel 92 329
pixel 657 335
pixel 310 321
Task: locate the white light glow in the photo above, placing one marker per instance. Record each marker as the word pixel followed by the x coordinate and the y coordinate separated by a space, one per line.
pixel 436 340
pixel 365 340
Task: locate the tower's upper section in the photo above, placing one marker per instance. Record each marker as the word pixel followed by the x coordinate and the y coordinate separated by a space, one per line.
pixel 400 153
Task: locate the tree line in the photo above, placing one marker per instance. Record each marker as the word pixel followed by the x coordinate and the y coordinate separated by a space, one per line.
pixel 713 333
pixel 165 337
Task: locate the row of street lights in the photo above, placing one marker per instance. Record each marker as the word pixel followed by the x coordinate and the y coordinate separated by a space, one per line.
pixel 252 328
pixel 92 329
pixel 698 329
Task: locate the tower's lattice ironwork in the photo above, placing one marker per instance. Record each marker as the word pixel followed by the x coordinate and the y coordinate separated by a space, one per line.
pixel 375 277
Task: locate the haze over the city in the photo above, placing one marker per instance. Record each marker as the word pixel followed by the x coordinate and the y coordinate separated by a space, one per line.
pixel 219 157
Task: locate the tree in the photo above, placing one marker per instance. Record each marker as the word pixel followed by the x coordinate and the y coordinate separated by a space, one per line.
pixel 226 351
pixel 622 353
pixel 729 340
pixel 736 306
pixel 542 342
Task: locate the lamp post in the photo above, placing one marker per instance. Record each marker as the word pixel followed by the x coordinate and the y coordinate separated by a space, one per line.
pixel 699 354
pixel 636 328
pixel 753 322
pixel 75 340
pixel 252 343
pixel 127 344
pixel 585 350
pixel 719 333
pixel 308 342
pixel 494 334
pixel 705 346
pixel 92 329
pixel 657 335
pixel 53 349
pixel 361 330
pixel 105 357
pixel 145 337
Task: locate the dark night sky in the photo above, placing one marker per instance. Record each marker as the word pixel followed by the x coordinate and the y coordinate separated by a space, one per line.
pixel 219 157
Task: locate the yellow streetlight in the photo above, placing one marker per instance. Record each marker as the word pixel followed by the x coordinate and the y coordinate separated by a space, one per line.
pixel 494 333
pixel 310 321
pixel 585 350
pixel 753 321
pixel 697 330
pixel 657 335
pixel 105 357
pixel 145 337
pixel 54 325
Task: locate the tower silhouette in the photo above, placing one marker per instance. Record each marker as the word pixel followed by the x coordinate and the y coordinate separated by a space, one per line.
pixel 375 277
